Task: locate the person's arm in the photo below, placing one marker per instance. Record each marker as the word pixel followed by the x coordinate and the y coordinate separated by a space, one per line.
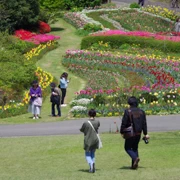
pixel 124 121
pixel 82 129
pixel 145 126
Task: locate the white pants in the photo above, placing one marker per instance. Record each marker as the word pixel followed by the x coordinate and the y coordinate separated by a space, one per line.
pixel 35 110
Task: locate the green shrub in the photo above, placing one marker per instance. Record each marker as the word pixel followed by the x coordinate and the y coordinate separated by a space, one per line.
pixel 116 41
pixel 92 27
pixel 15 14
pixel 134 5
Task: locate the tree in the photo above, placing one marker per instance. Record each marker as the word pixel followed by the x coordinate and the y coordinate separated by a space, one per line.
pixel 16 14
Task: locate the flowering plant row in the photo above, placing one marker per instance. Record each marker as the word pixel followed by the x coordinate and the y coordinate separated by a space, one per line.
pixel 138 33
pixel 35 38
pixel 158 76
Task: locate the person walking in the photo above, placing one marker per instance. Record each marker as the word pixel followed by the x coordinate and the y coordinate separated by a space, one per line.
pixel 91 141
pixel 63 86
pixel 141 2
pixel 138 118
pixel 55 99
pixel 36 94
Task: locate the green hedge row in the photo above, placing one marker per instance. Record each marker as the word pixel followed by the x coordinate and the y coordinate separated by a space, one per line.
pixel 116 41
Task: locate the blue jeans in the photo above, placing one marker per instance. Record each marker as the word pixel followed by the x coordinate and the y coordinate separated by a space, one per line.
pixel 90 157
pixel 131 147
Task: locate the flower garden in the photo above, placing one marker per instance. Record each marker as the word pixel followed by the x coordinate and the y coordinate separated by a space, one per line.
pixel 119 57
pixel 116 64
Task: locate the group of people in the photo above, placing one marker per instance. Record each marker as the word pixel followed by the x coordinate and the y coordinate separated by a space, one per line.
pixel 90 130
pixel 58 94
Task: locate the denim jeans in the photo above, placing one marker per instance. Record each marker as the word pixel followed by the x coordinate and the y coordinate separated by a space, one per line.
pixel 90 157
pixel 131 147
pixel 53 109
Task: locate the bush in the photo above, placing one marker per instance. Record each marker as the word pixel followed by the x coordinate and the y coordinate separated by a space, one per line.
pixel 15 14
pixel 116 41
pixel 134 5
pixel 92 27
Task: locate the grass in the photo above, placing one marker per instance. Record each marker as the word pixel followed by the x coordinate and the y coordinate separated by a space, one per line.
pixel 62 157
pixel 96 17
pixel 51 62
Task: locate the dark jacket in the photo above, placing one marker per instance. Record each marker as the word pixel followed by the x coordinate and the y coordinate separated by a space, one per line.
pixel 138 118
pixel 56 99
pixel 91 141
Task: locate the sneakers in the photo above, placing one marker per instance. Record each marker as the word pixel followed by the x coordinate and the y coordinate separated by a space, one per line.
pixel 34 117
pixel 135 165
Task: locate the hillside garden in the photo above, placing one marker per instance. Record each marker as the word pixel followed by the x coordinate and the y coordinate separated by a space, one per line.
pixel 119 57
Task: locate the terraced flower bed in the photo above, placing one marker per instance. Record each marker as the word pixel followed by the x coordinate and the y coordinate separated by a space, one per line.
pixel 155 82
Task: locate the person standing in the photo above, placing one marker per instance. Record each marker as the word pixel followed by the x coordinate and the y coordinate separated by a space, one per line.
pixel 174 4
pixel 91 141
pixel 35 92
pixel 138 118
pixel 55 99
pixel 63 86
pixel 177 26
pixel 141 2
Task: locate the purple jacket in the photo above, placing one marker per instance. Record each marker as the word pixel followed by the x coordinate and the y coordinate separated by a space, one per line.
pixel 36 92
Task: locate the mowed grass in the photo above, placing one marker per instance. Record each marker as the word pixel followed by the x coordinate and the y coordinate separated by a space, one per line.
pixel 62 158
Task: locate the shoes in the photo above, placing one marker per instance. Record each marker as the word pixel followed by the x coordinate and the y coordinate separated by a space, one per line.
pixel 34 117
pixel 37 117
pixel 135 165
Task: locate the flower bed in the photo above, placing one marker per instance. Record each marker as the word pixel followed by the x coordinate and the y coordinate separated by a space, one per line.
pixel 35 38
pixel 159 77
pixel 138 33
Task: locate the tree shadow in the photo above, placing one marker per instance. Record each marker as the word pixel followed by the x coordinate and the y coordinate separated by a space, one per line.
pixel 57 29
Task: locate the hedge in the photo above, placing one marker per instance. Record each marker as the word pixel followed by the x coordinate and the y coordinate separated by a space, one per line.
pixel 116 41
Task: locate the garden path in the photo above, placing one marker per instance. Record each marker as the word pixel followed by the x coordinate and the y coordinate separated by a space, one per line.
pixel 71 127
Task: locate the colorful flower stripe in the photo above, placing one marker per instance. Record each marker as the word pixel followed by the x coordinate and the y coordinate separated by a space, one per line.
pixel 138 33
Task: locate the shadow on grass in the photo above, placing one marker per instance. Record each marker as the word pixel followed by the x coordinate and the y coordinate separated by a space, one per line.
pixel 129 168
pixel 57 29
pixel 86 170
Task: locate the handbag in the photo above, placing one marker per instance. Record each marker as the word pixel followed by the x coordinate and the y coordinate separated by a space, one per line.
pixel 129 131
pixel 38 101
pixel 99 139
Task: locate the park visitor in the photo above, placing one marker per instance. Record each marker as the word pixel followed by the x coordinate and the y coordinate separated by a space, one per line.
pixel 55 100
pixel 174 4
pixel 91 141
pixel 141 2
pixel 63 86
pixel 177 25
pixel 139 124
pixel 35 100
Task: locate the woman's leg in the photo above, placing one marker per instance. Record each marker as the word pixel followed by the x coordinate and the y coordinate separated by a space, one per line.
pixel 63 95
pixel 93 160
pixel 58 109
pixel 89 160
pixel 33 108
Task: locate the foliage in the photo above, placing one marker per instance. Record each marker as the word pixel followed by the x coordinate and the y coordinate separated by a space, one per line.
pixel 116 41
pixel 92 27
pixel 96 16
pixel 70 4
pixel 16 14
pixel 134 5
pixel 52 5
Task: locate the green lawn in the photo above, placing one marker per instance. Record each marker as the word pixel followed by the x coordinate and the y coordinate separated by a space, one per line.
pixel 51 62
pixel 62 157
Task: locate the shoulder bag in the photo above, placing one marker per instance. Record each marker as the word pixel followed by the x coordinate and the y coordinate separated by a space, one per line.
pixel 99 139
pixel 129 131
pixel 38 101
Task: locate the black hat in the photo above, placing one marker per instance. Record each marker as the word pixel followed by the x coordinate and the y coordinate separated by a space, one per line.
pixel 34 82
pixel 132 101
pixel 53 85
